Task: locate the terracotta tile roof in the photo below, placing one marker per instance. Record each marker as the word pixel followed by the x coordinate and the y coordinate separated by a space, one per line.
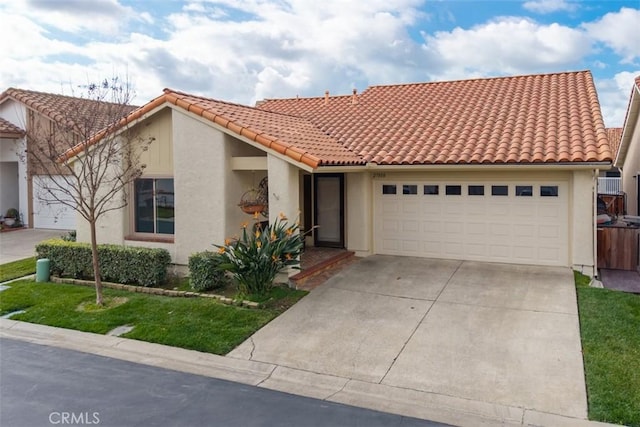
pixel 9 130
pixel 525 119
pixel 614 135
pixel 292 136
pixel 59 107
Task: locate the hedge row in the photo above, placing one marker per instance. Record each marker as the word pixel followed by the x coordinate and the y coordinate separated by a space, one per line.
pixel 121 264
pixel 204 273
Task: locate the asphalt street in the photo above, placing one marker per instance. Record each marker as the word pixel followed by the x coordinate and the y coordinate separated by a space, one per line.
pixel 45 386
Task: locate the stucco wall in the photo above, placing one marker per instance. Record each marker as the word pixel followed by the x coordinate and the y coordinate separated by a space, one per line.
pixel 581 223
pixel 115 226
pixel 358 227
pixel 284 188
pixel 631 171
pixel 15 113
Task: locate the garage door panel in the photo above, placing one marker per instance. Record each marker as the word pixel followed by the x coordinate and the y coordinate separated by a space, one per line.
pixel 497 229
pixel 527 229
pixel 411 226
pixel 524 230
pixel 453 209
pixel 551 231
pixel 432 226
pixel 453 248
pixel 475 250
pixel 454 228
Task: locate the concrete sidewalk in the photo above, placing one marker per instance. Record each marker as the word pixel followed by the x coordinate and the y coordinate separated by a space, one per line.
pixel 381 397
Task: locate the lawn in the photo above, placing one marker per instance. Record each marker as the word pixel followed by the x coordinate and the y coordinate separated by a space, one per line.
pixel 20 268
pixel 610 331
pixel 195 323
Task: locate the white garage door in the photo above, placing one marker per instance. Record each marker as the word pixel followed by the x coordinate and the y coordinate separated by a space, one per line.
pixel 49 215
pixel 524 223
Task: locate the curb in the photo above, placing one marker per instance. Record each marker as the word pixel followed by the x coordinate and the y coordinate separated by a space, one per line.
pixel 380 397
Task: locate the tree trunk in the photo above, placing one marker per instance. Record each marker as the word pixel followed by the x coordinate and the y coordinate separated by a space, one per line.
pixel 96 263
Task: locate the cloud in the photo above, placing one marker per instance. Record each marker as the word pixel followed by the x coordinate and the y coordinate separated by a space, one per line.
pixel 549 6
pixel 507 45
pixel 619 31
pixel 614 96
pixel 77 16
pixel 244 51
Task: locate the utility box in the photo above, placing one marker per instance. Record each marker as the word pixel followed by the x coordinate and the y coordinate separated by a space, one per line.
pixel 43 268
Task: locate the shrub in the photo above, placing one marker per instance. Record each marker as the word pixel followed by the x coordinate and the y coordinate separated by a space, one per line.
pixel 204 271
pixel 121 264
pixel 255 259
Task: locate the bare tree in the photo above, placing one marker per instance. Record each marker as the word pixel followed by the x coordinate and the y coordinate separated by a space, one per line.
pixel 89 153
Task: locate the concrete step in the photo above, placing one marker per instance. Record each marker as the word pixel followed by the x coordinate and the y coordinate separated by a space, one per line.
pixel 299 279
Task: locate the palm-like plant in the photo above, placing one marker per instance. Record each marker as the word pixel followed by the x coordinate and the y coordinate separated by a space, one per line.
pixel 257 256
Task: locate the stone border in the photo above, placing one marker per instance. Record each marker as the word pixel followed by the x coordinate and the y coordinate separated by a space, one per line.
pixel 158 291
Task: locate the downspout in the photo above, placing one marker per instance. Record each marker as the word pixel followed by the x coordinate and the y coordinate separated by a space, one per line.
pixel 596 172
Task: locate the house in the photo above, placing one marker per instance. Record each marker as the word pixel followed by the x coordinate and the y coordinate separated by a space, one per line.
pixel 492 169
pixel 11 139
pixel 628 153
pixel 610 193
pixel 28 117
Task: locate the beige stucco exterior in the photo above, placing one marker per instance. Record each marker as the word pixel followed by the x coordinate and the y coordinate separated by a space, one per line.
pixel 631 166
pixel 212 169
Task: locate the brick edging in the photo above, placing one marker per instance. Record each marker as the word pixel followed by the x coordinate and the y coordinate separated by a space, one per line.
pixel 158 291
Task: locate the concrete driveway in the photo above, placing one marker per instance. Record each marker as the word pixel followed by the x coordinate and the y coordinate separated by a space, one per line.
pixel 496 333
pixel 19 244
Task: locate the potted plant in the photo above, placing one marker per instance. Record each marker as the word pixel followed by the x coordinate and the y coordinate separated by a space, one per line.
pixel 11 217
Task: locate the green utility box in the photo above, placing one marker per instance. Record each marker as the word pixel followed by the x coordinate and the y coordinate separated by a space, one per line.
pixel 43 269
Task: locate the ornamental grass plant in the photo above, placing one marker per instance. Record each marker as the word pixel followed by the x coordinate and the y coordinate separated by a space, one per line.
pixel 260 254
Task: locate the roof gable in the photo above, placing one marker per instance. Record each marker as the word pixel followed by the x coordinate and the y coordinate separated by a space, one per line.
pixel 545 118
pixel 292 136
pixel 628 128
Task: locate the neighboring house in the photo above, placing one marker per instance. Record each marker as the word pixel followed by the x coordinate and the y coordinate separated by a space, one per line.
pixel 493 169
pixel 610 192
pixel 628 153
pixel 11 143
pixel 30 112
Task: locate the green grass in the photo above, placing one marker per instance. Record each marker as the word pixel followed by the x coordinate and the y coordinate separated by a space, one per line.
pixel 20 268
pixel 610 331
pixel 195 323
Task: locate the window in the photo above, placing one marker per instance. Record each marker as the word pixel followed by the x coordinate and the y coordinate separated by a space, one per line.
pixel 453 190
pixel 476 190
pixel 388 189
pixel 499 190
pixel 154 206
pixel 409 189
pixel 431 189
pixel 524 190
pixel 549 191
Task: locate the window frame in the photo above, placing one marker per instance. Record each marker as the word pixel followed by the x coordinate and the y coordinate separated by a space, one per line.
pixel 143 235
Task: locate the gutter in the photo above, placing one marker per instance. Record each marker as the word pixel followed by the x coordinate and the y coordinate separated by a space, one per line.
pixel 374 167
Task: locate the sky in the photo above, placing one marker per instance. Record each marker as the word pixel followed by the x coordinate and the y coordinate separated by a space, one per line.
pixel 246 50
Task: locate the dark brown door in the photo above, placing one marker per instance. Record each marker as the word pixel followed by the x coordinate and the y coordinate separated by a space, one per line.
pixel 329 210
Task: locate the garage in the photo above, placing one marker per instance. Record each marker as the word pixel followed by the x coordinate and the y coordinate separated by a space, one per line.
pixel 522 223
pixel 49 215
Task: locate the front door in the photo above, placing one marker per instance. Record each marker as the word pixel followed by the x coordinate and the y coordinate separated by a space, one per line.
pixel 329 210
